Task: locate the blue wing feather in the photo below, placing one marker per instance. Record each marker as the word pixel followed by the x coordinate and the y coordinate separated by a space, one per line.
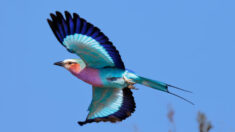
pixel 112 109
pixel 69 22
pixel 96 32
pixel 71 26
pixel 61 19
pixel 90 29
pixel 77 21
pixel 84 26
pixel 57 33
pixel 57 28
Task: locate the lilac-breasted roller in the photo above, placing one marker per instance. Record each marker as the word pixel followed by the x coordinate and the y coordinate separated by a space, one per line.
pixel 101 66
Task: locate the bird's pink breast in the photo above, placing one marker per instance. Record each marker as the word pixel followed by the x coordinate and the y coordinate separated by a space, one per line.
pixel 91 76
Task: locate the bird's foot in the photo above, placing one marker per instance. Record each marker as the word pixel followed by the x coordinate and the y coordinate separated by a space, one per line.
pixel 129 81
pixel 132 87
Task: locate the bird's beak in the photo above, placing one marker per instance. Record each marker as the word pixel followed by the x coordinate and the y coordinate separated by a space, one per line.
pixel 60 63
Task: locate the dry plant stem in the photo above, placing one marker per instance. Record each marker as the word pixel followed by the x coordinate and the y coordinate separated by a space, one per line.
pixel 203 124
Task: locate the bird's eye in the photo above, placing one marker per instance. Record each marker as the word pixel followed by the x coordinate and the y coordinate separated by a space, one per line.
pixel 70 63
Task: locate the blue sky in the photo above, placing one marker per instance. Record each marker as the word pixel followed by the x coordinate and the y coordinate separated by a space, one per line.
pixel 189 44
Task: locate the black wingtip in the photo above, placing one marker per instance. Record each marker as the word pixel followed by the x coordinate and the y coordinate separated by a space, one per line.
pixel 75 15
pixel 81 123
pixel 58 13
pixel 66 13
pixel 49 21
pixel 52 15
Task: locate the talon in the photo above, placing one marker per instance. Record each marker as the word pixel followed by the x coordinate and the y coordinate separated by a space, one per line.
pixel 132 87
pixel 129 81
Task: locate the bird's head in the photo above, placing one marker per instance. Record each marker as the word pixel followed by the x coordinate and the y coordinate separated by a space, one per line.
pixel 73 65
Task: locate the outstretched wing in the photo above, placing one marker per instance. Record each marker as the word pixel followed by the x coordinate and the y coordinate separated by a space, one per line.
pixel 110 104
pixel 85 40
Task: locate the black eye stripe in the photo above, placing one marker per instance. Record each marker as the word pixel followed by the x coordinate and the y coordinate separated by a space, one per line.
pixel 70 63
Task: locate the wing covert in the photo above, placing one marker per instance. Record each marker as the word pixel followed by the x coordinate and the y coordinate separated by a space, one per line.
pixel 87 41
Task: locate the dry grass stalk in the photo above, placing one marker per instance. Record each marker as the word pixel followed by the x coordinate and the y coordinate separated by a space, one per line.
pixel 204 125
pixel 170 116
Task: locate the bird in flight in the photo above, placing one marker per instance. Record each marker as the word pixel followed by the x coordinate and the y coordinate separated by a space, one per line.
pixel 101 66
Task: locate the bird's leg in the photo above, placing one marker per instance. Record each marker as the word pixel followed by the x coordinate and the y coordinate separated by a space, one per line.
pixel 130 83
pixel 132 87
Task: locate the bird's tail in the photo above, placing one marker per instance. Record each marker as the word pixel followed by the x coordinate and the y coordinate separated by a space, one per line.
pixel 159 86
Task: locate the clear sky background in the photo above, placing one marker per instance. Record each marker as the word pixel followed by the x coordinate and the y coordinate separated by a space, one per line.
pixel 187 43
